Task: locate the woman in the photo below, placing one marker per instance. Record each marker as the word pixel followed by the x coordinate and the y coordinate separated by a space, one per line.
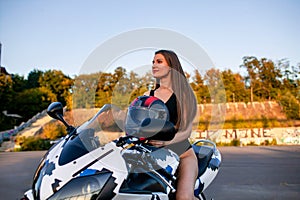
pixel 174 90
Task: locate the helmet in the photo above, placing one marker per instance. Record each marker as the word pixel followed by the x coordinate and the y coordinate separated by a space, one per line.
pixel 143 112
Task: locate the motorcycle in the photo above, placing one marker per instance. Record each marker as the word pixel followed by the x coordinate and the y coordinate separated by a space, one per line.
pixel 88 164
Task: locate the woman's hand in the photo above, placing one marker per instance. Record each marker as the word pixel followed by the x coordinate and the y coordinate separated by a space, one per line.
pixel 111 117
pixel 159 143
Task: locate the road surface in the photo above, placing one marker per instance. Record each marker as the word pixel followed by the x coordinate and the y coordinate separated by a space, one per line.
pixel 264 172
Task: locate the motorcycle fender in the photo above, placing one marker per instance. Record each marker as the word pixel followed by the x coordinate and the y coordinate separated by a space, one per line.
pixel 29 195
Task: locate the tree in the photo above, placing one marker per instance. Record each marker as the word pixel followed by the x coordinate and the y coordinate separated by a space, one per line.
pixel 234 86
pixel 58 83
pixel 213 80
pixel 200 89
pixel 139 85
pixel 33 78
pixel 251 64
pixel 147 81
pixel 6 91
pixel 31 101
pixel 19 83
pixel 128 88
pixel 105 85
pixel 116 88
pixel 123 89
pixel 290 78
pixel 269 76
pixel 119 73
pixel 290 106
pixel 84 90
pixel 6 97
pixel 264 77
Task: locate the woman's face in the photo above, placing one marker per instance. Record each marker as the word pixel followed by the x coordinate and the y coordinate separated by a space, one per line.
pixel 160 66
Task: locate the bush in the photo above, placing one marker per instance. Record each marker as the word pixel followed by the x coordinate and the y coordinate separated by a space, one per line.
pixel 53 130
pixel 290 106
pixel 235 142
pixel 33 143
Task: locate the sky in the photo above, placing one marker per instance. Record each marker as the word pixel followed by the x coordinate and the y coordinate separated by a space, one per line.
pixel 40 34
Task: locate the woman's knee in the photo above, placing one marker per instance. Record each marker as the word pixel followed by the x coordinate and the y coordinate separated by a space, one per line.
pixel 188 154
pixel 188 160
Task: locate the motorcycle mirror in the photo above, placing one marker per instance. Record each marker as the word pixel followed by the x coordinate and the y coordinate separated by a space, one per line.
pixel 55 110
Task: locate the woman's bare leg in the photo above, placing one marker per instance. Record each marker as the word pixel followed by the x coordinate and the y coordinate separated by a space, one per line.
pixel 188 171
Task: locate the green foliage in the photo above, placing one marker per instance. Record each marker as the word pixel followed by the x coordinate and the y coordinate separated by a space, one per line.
pixel 265 80
pixel 34 143
pixel 105 86
pixel 235 142
pixel 58 83
pixel 6 97
pixel 290 106
pixel 6 90
pixel 33 78
pixel 28 97
pixel 84 91
pixel 267 142
pixel 213 80
pixel 265 122
pixel 31 101
pixel 53 131
pixel 118 88
pixel 200 89
pixel 234 86
pixel 19 83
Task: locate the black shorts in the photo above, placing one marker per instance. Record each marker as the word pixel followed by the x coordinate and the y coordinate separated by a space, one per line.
pixel 180 147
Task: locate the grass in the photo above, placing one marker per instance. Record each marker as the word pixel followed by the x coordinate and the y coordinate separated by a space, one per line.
pixel 252 123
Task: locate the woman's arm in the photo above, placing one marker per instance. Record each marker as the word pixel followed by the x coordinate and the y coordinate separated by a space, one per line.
pixel 182 135
pixel 179 136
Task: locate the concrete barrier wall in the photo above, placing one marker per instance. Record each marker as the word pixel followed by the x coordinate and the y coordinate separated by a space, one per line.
pixel 282 136
pixel 5 135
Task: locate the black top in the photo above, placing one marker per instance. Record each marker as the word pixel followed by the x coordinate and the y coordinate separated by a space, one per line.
pixel 171 104
pixel 172 107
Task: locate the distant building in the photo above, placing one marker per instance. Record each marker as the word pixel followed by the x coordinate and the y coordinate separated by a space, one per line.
pixel 3 71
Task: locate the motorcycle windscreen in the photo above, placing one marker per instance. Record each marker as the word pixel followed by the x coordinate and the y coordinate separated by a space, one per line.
pixel 78 146
pixel 89 137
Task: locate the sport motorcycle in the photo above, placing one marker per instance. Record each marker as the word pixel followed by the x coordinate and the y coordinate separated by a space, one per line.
pixel 89 164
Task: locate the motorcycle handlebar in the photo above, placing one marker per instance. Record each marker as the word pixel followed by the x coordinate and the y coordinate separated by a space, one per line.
pixel 129 140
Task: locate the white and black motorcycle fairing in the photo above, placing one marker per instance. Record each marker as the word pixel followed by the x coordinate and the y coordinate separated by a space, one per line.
pixel 86 164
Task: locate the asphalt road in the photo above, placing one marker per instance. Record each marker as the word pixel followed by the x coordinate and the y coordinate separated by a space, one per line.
pixel 266 172
pixel 16 172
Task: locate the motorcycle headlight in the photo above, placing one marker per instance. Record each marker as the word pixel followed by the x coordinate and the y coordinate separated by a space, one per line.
pixel 86 187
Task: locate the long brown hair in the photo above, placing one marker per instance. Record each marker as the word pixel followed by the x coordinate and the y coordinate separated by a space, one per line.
pixel 186 100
